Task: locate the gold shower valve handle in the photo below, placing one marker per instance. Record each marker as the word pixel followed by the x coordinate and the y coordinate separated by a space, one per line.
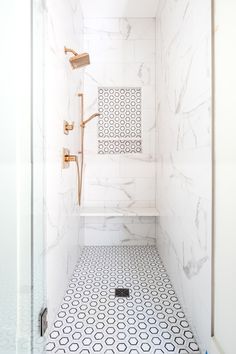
pixel 68 127
pixel 70 158
pixel 67 158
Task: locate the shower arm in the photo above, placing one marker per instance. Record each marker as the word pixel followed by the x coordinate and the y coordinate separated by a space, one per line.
pixel 68 50
pixel 84 122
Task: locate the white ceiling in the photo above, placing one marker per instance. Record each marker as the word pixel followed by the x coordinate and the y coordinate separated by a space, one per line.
pixel 119 8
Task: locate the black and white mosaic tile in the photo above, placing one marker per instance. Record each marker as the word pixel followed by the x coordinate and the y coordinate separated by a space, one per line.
pixel 92 320
pixel 120 119
pixel 119 146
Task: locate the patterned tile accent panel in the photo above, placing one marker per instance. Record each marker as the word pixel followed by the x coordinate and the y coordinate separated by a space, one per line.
pixel 92 320
pixel 119 146
pixel 119 126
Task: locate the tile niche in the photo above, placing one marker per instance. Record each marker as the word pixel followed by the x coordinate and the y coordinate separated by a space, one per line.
pixel 119 126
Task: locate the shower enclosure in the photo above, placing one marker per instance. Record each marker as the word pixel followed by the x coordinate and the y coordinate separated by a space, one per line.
pixel 130 270
pixel 146 199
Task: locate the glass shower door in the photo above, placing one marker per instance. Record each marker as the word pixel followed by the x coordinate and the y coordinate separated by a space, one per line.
pixel 38 251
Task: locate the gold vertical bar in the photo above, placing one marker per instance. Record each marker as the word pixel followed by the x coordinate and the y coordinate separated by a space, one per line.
pixel 81 95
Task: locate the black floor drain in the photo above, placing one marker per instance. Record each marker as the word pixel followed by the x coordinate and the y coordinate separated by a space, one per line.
pixel 121 292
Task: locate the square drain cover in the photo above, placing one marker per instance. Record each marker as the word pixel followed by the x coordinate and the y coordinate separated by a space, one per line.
pixel 119 292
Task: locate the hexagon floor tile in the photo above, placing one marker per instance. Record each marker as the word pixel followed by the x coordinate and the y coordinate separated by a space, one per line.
pixel 92 320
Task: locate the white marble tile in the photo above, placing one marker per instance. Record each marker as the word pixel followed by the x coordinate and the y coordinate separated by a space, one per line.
pixel 101 28
pixel 149 97
pixel 149 139
pixel 117 60
pixel 102 166
pixel 118 231
pixel 92 190
pixel 145 50
pixel 132 167
pixel 122 8
pixel 115 51
pixel 112 189
pixel 183 36
pixel 149 120
pixel 131 204
pixel 120 28
pixel 140 73
pixel 63 27
pixel 144 189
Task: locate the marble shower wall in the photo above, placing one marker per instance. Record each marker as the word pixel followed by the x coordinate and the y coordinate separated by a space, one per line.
pixel 122 53
pixel 63 27
pixel 183 34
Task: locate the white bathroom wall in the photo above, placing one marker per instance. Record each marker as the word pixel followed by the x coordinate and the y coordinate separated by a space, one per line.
pixel 63 27
pixel 122 53
pixel 183 35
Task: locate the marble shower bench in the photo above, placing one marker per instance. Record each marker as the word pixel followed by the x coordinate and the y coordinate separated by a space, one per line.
pixel 103 226
pixel 106 212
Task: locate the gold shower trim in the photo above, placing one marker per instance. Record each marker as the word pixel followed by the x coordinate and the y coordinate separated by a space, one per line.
pixel 84 122
pixel 68 50
pixel 81 152
pixel 67 127
pixel 82 126
pixel 67 158
pixel 78 60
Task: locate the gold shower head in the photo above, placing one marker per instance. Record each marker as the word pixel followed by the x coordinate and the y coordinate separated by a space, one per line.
pixel 78 60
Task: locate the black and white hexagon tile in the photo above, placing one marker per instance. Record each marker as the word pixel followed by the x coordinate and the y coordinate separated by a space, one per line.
pixel 119 126
pixel 92 320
